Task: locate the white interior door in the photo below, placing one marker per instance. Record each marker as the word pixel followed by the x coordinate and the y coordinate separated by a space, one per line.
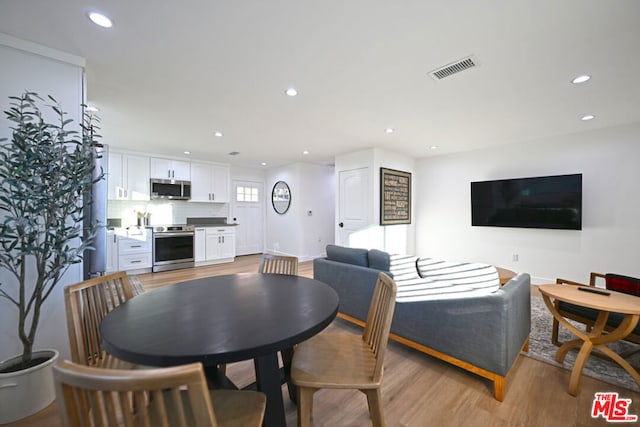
pixel 354 206
pixel 247 209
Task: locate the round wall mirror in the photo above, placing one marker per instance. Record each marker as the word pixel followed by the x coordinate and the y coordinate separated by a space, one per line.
pixel 281 197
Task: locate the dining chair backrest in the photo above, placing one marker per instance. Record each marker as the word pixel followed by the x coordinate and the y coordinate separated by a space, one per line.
pixel 376 330
pixel 624 284
pixel 174 396
pixel 86 304
pixel 278 264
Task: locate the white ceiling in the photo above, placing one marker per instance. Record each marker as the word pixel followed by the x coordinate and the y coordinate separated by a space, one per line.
pixel 169 74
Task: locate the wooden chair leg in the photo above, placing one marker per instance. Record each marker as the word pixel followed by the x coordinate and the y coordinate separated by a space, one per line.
pixel 305 406
pixel 374 400
pixel 554 332
pixel 287 357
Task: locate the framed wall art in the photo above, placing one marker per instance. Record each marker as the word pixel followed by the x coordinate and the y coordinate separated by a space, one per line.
pixel 395 197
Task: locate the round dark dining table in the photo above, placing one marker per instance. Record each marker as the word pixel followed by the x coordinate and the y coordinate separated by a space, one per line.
pixel 223 319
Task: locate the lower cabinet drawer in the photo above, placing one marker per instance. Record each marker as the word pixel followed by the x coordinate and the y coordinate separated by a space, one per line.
pixel 134 261
pixel 128 245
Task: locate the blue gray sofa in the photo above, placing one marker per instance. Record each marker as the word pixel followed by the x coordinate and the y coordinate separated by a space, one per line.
pixel 482 334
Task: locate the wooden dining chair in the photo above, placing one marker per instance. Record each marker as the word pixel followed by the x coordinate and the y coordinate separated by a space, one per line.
pixel 86 304
pixel 278 264
pixel 175 396
pixel 347 361
pixel 288 265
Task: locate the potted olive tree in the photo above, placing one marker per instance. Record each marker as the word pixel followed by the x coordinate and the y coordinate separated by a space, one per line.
pixel 46 173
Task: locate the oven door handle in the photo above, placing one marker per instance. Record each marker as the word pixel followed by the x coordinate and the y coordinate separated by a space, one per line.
pixel 178 234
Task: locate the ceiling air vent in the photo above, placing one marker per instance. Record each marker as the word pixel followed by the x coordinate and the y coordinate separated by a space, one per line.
pixel 234 153
pixel 454 68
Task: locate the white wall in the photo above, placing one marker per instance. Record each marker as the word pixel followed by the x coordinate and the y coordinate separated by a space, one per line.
pixel 247 174
pixel 26 66
pixel 317 209
pixel 297 233
pixel 391 238
pixel 609 240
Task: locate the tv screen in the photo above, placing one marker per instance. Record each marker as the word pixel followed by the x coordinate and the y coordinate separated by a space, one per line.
pixel 541 202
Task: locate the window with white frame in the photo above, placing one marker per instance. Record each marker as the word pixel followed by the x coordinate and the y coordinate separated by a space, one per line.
pixel 247 194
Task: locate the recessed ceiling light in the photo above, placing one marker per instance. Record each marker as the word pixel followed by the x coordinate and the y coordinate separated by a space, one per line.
pixel 291 91
pixel 187 152
pixel 92 109
pixel 581 79
pixel 434 147
pixel 264 163
pixel 305 152
pixel 587 117
pixel 218 134
pixel 100 19
pixel 389 130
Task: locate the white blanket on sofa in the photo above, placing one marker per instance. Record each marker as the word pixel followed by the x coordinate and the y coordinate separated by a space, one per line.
pixel 424 279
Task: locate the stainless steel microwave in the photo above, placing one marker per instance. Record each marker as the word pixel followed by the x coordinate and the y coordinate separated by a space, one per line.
pixel 170 189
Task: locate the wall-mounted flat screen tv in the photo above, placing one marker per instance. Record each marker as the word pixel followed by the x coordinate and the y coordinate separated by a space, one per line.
pixel 541 202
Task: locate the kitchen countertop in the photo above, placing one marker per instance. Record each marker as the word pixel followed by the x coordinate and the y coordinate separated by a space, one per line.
pixel 215 225
pixel 214 221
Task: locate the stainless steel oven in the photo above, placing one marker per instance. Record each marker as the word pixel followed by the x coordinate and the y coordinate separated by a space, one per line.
pixel 173 247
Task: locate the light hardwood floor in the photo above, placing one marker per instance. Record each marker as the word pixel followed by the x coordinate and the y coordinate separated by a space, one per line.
pixel 417 389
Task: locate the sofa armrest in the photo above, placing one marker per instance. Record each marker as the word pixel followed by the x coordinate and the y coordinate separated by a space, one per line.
pixel 354 284
pixel 487 331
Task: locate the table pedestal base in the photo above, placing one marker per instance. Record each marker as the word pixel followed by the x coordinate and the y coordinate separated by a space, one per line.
pixel 268 382
pixel 594 340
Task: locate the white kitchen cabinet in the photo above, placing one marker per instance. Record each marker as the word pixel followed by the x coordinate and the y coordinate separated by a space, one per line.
pixel 221 182
pixel 209 182
pixel 200 244
pixel 112 252
pixel 170 169
pixel 128 177
pixel 219 245
pixel 227 246
pixel 135 251
pixel 115 181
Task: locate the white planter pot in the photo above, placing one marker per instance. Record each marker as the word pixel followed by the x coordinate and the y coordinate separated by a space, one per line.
pixel 26 392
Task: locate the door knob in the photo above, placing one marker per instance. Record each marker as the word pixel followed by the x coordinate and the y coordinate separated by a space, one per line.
pixel 341 225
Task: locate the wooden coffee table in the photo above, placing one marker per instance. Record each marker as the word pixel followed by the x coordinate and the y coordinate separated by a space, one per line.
pixel 618 302
pixel 505 275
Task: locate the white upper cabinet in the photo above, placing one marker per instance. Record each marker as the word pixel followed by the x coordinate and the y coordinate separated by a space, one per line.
pixel 137 169
pixel 115 180
pixel 221 182
pixel 210 183
pixel 128 177
pixel 170 169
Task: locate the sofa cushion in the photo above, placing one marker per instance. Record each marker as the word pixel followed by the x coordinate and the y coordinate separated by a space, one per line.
pixel 403 267
pixel 355 256
pixel 440 279
pixel 379 260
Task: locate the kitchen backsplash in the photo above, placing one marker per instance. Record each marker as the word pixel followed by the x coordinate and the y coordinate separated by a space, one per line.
pixel 163 212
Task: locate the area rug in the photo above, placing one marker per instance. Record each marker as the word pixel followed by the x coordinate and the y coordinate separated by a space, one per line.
pixel 541 348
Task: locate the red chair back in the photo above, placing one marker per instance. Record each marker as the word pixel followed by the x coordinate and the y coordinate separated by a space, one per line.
pixel 625 284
